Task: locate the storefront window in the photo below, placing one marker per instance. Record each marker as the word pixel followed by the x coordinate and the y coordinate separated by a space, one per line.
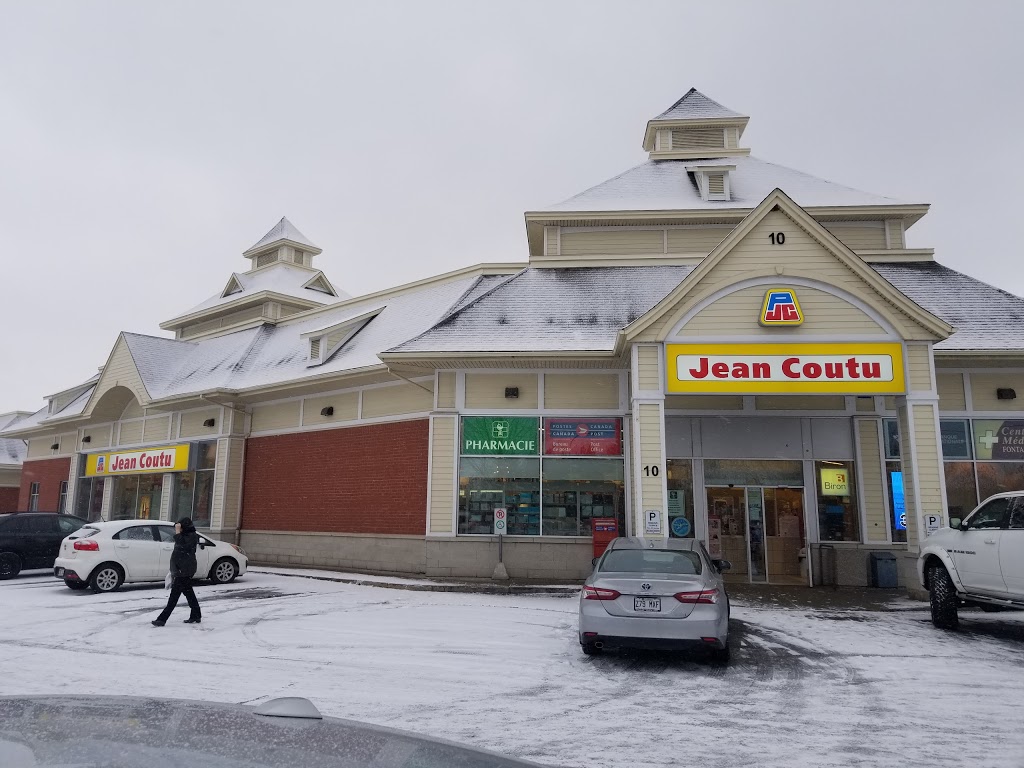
pixel 507 482
pixel 891 428
pixel 776 474
pixel 961 489
pixel 137 497
pixel 999 477
pixel 838 518
pixel 577 490
pixel 89 500
pixel 62 499
pixel 680 499
pixel 192 492
pixel 897 500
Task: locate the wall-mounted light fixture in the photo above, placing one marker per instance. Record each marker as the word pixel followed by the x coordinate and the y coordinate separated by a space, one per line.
pixel 327 411
pixel 87 439
pixel 1006 394
pixel 209 422
pixel 512 393
pixel 55 446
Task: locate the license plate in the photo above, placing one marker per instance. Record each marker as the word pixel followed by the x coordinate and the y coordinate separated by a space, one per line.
pixel 646 603
pixel 60 572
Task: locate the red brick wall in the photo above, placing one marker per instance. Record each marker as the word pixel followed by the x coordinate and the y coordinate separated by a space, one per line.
pixel 370 479
pixel 9 499
pixel 49 473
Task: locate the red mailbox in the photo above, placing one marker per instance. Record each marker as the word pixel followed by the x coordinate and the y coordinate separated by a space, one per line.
pixel 605 529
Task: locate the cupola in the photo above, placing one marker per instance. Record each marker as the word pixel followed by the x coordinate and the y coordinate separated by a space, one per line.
pixel 695 128
pixel 284 243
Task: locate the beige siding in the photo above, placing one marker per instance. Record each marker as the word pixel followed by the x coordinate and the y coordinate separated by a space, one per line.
pixel 873 489
pixel 695 239
pixel 220 484
pixel 919 367
pixel 858 235
pixel 157 429
pixel 929 461
pixel 442 473
pixel 951 392
pixel 277 416
pixel 649 440
pixel 737 314
pixel 133 411
pixel 487 390
pixel 984 386
pixel 192 422
pixel 563 390
pixel 131 433
pixel 613 241
pixel 39 447
pixel 890 403
pixel 865 404
pixel 345 404
pixel 227 489
pixel 445 390
pixel 100 437
pixel 796 403
pixel 649 369
pixel 120 371
pixel 909 481
pixel 10 478
pixel 552 239
pixel 704 402
pixel 800 256
pixel 232 318
pixel 396 400
pixel 68 443
pixel 894 228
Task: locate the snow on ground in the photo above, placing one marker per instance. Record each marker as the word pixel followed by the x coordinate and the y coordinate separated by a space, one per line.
pixel 806 687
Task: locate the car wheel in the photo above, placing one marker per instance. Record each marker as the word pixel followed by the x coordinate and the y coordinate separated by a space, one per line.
pixel 590 649
pixel 224 571
pixel 76 585
pixel 10 565
pixel 106 578
pixel 942 598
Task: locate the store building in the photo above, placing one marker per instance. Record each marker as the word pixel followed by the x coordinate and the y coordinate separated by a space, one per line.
pixel 12 456
pixel 706 345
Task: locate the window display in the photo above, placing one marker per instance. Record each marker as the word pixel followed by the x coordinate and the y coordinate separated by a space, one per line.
pixel 838 517
pixel 680 499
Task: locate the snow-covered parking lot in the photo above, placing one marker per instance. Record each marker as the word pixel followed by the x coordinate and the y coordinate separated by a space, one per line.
pixel 807 687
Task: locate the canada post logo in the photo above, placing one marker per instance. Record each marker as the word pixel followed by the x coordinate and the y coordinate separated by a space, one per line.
pixel 781 308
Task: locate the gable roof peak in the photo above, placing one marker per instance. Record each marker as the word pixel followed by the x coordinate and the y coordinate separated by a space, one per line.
pixel 694 105
pixel 284 230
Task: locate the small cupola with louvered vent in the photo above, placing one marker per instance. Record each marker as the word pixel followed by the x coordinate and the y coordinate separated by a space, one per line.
pixel 693 128
pixel 284 243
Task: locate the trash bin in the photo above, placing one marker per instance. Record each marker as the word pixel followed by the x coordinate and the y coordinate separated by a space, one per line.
pixel 883 570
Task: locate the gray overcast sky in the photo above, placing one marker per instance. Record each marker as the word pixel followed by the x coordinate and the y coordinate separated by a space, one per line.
pixel 144 146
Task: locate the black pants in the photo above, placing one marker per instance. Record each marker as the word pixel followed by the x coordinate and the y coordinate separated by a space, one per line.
pixel 182 585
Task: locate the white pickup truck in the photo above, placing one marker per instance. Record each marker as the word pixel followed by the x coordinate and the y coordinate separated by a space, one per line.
pixel 976 561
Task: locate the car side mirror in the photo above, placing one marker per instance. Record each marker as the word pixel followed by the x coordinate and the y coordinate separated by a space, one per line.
pixel 955 522
pixel 594 560
pixel 722 565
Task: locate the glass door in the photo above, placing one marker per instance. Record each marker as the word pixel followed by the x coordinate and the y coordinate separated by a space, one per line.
pixel 727 529
pixel 755 541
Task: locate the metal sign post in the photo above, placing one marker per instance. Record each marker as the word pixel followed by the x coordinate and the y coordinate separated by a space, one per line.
pixel 500 529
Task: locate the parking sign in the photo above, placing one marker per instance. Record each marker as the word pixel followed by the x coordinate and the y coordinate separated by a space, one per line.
pixel 500 520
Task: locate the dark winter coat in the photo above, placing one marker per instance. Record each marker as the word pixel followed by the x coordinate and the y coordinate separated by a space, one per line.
pixel 183 558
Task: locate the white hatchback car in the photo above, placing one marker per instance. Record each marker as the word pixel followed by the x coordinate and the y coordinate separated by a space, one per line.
pixel 106 555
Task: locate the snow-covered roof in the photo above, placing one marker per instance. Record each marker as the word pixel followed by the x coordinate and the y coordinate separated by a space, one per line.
pixel 283 230
pixel 667 185
pixel 694 105
pixel 551 310
pixel 12 452
pixel 279 277
pixel 984 318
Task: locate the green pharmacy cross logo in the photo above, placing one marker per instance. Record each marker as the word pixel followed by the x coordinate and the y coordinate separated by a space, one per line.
pixel 500 429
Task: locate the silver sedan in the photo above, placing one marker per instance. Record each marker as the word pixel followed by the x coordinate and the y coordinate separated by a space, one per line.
pixel 661 594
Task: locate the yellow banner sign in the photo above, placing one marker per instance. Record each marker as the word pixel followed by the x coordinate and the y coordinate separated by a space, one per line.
pixel 835 482
pixel 170 458
pixel 789 369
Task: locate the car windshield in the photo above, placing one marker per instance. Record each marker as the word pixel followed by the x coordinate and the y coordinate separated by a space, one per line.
pixel 651 561
pixel 84 532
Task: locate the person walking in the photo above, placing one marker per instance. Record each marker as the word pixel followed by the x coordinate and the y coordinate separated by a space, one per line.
pixel 183 568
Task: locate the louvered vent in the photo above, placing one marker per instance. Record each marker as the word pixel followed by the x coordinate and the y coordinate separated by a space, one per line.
pixel 690 139
pixel 314 349
pixel 265 259
pixel 716 185
pixel 298 258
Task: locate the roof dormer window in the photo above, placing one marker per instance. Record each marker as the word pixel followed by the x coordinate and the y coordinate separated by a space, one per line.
pixel 713 181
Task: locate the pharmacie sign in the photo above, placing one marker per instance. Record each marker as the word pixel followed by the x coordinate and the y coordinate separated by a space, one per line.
pixel 500 436
pixel 785 368
pixel 170 458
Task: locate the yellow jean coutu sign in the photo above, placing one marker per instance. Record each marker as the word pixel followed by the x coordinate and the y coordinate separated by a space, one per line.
pixel 875 368
pixel 168 458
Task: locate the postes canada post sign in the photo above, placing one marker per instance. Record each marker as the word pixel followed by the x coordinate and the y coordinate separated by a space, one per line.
pixel 875 368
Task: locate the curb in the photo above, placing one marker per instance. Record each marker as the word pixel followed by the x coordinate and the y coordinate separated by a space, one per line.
pixel 480 589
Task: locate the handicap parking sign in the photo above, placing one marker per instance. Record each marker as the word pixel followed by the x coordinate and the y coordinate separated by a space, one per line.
pixel 681 527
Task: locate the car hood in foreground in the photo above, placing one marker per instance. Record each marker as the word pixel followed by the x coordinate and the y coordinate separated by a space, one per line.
pixel 127 731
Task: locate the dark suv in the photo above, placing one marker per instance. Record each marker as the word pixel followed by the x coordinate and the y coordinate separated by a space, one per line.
pixel 32 539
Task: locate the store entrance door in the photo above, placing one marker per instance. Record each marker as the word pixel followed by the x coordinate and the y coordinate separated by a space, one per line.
pixel 760 530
